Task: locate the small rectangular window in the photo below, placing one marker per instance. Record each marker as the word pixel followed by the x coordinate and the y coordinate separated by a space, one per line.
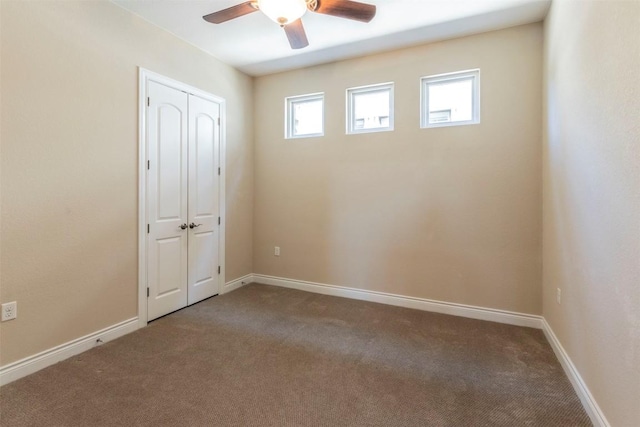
pixel 370 108
pixel 304 116
pixel 450 99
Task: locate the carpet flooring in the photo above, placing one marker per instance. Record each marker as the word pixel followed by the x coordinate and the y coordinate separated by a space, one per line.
pixel 269 356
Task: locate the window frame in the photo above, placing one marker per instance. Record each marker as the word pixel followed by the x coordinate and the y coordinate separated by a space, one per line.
pixel 354 91
pixel 289 116
pixel 426 81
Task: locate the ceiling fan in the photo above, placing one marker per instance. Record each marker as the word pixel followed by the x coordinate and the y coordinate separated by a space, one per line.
pixel 287 14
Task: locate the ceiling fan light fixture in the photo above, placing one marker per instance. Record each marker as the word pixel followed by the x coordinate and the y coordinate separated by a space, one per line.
pixel 283 12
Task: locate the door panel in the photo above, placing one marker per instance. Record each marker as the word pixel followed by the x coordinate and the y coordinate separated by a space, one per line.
pixel 206 267
pixel 204 148
pixel 169 278
pixel 169 160
pixel 167 242
pixel 205 166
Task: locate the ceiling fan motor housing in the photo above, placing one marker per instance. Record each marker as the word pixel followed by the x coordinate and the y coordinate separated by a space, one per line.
pixel 312 5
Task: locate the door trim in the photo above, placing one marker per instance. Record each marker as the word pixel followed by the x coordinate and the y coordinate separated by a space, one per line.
pixel 145 76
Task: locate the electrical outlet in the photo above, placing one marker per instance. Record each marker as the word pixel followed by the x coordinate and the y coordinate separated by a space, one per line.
pixel 9 311
pixel 559 296
pixel 276 250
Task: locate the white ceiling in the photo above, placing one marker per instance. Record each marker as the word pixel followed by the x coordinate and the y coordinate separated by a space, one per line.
pixel 258 46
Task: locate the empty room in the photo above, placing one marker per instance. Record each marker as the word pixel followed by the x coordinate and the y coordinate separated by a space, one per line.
pixel 320 213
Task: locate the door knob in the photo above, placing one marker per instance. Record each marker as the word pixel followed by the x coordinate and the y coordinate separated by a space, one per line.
pixel 192 225
pixel 183 226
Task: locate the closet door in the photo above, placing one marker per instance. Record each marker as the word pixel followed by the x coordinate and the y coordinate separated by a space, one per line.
pixel 167 178
pixel 204 210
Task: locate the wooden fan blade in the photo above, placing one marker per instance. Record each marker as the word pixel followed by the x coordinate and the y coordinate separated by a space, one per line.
pixel 347 9
pixel 229 13
pixel 296 35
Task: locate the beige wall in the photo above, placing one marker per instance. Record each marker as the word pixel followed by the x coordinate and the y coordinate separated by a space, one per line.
pixel 451 214
pixel 69 164
pixel 592 196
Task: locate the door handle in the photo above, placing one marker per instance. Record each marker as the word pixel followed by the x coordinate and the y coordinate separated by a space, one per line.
pixel 192 225
pixel 183 226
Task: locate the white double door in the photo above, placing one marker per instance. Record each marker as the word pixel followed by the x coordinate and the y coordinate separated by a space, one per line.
pixel 183 210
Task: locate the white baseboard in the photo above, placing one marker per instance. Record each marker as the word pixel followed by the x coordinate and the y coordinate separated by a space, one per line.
pixel 519 319
pixel 590 405
pixel 473 312
pixel 31 364
pixel 237 283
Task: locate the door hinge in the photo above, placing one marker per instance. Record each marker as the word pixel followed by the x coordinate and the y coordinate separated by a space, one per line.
pixel 218 171
pixel 218 269
pixel 148 229
pixel 218 220
pixel 148 164
pixel 218 121
pixel 148 101
pixel 147 292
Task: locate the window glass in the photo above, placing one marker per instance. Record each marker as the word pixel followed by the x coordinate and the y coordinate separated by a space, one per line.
pixel 304 116
pixel 370 108
pixel 450 99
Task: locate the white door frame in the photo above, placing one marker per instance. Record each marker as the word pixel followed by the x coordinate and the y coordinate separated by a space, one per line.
pixel 145 76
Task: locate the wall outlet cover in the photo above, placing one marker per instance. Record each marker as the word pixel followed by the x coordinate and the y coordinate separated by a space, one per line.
pixel 9 311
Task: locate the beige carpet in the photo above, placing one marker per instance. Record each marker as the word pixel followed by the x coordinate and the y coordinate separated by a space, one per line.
pixel 268 356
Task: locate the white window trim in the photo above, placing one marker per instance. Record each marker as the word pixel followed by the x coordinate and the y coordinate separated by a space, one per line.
pixel 365 89
pixel 288 114
pixel 474 75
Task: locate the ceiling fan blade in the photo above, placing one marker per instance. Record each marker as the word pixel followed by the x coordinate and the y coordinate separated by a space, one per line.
pixel 347 9
pixel 296 35
pixel 229 13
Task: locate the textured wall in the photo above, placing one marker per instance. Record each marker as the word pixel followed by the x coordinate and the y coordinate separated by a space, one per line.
pixel 69 162
pixel 451 214
pixel 592 196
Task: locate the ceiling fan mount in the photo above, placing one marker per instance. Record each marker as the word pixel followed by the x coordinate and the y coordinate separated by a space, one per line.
pixel 288 14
